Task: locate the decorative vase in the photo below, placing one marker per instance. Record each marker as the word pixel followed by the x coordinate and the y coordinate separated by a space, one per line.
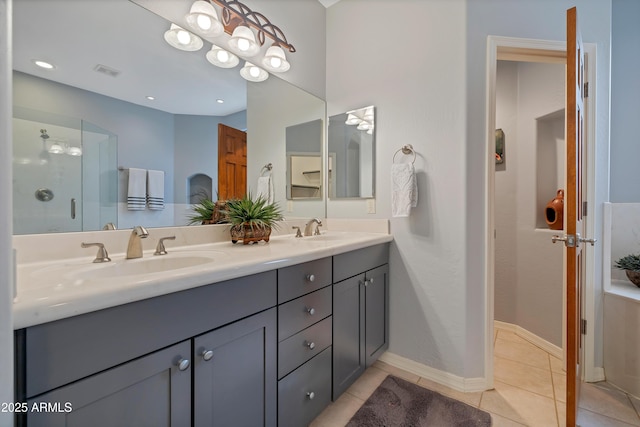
pixel 554 211
pixel 634 276
pixel 248 233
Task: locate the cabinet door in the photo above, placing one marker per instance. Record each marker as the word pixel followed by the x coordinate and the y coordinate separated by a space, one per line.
pixel 150 391
pixel 376 313
pixel 235 373
pixel 348 333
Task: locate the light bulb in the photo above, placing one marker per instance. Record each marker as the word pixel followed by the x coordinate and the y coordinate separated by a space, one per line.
pixel 275 62
pixel 222 55
pixel 243 44
pixel 254 71
pixel 183 37
pixel 204 22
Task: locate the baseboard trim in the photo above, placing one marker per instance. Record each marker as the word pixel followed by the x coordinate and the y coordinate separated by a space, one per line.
pixel 455 382
pixel 550 348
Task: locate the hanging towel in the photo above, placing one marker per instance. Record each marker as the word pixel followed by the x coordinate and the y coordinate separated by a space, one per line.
pixel 265 188
pixel 404 189
pixel 155 190
pixel 137 189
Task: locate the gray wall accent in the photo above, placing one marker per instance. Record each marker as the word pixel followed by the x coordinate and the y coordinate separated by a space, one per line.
pixel 625 92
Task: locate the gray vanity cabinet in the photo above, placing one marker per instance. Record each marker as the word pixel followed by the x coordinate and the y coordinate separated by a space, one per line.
pixel 360 313
pixel 154 391
pixel 234 378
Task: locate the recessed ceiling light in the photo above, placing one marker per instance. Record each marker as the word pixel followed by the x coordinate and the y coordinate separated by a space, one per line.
pixel 220 101
pixel 151 98
pixel 44 64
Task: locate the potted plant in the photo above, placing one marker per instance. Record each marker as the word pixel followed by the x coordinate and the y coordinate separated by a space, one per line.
pixel 252 220
pixel 631 265
pixel 208 212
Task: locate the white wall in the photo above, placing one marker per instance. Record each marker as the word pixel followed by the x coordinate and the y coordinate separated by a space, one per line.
pixel 528 272
pixel 625 92
pixel 6 257
pixel 433 96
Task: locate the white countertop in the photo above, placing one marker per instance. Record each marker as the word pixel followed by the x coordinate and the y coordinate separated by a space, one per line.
pixel 53 290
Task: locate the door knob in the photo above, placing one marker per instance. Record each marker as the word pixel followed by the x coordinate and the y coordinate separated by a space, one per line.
pixel 591 241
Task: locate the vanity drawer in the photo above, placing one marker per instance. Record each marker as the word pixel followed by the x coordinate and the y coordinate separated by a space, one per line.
pixel 304 393
pixel 303 312
pixel 301 279
pixel 296 350
pixel 352 263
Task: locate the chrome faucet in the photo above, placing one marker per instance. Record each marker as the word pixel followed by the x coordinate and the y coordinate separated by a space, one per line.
pixel 134 248
pixel 307 228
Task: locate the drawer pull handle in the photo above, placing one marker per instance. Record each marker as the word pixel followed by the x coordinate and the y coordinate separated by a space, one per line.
pixel 311 345
pixel 311 277
pixel 183 364
pixel 310 395
pixel 207 355
pixel 311 311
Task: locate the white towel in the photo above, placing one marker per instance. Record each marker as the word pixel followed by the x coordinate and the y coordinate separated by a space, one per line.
pixel 155 190
pixel 137 189
pixel 265 188
pixel 404 189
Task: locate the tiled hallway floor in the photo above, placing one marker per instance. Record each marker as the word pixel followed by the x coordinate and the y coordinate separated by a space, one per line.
pixel 529 390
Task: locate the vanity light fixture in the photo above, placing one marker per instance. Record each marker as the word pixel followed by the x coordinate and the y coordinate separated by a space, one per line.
pixel 244 41
pixel 222 58
pixel 362 118
pixel 182 39
pixel 275 60
pixel 203 18
pixel 56 148
pixel 248 31
pixel 74 151
pixel 253 73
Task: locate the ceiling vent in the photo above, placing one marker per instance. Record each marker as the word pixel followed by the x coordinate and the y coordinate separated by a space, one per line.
pixel 112 72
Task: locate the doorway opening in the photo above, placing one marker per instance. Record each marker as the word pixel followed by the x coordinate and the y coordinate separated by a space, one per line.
pixel 541 174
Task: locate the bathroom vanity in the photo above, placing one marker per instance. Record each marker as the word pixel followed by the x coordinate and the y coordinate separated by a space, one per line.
pixel 269 348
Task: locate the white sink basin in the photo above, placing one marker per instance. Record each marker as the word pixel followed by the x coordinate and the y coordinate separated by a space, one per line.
pixel 133 267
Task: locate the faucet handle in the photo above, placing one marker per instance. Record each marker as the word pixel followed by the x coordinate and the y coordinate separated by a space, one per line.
pixel 160 249
pixel 298 232
pixel 102 255
pixel 109 226
pixel 317 232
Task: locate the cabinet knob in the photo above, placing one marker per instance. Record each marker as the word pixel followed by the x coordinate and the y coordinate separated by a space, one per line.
pixel 183 364
pixel 311 345
pixel 371 280
pixel 311 277
pixel 366 282
pixel 311 311
pixel 207 355
pixel 310 395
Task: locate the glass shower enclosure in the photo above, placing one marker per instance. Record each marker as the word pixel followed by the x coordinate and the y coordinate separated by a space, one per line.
pixel 64 174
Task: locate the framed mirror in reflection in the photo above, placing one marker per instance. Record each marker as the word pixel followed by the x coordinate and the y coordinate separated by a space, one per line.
pixel 304 160
pixel 351 150
pixel 107 75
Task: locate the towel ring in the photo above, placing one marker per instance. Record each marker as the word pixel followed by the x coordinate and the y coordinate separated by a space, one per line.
pixel 406 150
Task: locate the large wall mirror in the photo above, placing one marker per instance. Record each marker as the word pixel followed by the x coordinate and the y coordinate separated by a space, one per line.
pixel 351 152
pixel 106 75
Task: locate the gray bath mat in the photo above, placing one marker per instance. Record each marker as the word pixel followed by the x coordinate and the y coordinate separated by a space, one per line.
pixel 399 403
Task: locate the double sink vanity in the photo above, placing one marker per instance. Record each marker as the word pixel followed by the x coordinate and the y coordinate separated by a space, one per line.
pixel 208 334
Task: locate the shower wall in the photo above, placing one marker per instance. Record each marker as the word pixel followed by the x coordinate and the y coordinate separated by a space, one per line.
pixel 528 267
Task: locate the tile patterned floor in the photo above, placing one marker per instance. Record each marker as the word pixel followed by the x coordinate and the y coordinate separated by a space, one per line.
pixel 529 391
